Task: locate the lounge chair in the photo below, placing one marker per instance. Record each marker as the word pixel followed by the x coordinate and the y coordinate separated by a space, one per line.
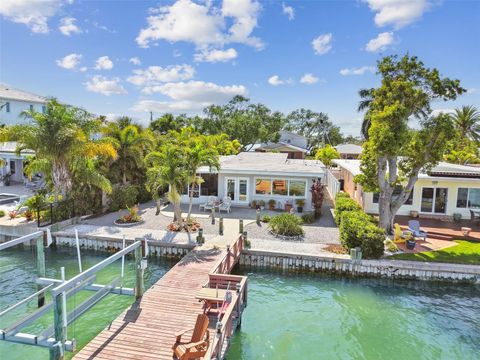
pixel 198 344
pixel 225 205
pixel 399 236
pixel 414 227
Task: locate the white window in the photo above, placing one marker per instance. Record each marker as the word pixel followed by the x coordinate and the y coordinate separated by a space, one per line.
pixel 280 187
pixel 7 107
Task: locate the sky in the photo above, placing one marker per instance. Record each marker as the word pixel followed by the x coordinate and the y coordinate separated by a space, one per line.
pixel 132 57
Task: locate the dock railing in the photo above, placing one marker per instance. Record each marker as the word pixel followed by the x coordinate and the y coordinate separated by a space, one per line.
pixel 227 324
pixel 226 264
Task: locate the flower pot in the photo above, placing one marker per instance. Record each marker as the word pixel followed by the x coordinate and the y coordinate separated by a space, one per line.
pixel 271 207
pixel 288 207
pixel 410 244
pixel 300 209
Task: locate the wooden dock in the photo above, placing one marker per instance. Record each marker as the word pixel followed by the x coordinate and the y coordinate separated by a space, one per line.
pixel 146 329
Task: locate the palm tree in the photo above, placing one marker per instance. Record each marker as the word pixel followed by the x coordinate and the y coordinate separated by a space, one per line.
pixel 130 143
pixel 59 137
pixel 467 122
pixel 166 167
pixel 366 96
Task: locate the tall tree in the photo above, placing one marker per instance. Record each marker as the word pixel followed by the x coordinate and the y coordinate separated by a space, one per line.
pixel 327 154
pixel 59 137
pixel 467 123
pixel 169 122
pixel 131 143
pixel 315 126
pixel 166 168
pixel 366 98
pixel 395 153
pixel 243 121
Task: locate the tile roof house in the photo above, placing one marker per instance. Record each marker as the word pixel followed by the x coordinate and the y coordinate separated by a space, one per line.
pixel 438 193
pixel 259 176
pixel 294 145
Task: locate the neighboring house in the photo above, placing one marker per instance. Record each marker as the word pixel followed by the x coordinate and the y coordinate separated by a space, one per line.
pixel 349 151
pixel 289 143
pixel 443 191
pixel 14 162
pixel 259 176
pixel 14 101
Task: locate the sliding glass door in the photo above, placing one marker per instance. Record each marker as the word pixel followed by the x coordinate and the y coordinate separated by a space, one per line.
pixel 434 200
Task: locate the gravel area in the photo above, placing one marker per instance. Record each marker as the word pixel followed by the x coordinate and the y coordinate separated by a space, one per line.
pixel 323 231
pixel 293 247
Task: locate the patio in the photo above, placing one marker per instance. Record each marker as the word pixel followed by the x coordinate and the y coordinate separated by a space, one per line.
pixel 443 230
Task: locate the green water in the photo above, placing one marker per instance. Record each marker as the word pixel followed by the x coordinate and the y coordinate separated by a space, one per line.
pixel 17 281
pixel 322 317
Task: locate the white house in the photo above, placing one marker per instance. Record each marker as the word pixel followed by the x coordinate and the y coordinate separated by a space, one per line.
pixel 13 162
pixel 14 101
pixel 445 190
pixel 294 145
pixel 259 176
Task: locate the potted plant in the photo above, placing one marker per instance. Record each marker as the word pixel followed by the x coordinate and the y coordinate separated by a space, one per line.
pixel 253 204
pixel 271 204
pixel 288 206
pixel 457 217
pixel 28 215
pixel 261 204
pixel 410 241
pixel 300 204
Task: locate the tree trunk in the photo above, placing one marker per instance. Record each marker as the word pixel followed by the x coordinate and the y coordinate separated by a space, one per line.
pixel 159 205
pixel 190 202
pixel 177 210
pixel 386 215
pixel 124 175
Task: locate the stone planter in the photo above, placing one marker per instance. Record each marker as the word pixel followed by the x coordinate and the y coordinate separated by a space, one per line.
pixel 410 244
pixel 122 224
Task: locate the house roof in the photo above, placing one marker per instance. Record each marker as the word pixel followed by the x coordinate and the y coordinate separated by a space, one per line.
pixel 10 147
pixel 258 163
pixel 279 145
pixel 443 169
pixel 10 93
pixel 349 149
pixel 287 138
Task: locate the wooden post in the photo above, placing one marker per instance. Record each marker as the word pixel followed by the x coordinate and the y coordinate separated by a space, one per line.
pixel 139 275
pixel 40 269
pixel 220 226
pixel 57 351
pixel 213 215
pixel 240 226
pixel 258 217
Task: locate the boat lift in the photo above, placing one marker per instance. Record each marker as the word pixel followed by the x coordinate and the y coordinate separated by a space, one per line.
pixel 55 337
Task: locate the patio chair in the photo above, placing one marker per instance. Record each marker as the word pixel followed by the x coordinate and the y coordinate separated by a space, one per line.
pixel 198 344
pixel 414 227
pixel 226 204
pixel 210 204
pixel 399 236
pixel 475 216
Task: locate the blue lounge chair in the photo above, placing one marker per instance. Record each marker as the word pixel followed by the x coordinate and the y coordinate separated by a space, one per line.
pixel 414 227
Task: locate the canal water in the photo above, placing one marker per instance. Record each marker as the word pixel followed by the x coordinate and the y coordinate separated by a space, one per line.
pixel 17 281
pixel 325 317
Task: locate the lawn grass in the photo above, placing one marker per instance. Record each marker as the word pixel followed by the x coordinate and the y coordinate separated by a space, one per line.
pixel 466 252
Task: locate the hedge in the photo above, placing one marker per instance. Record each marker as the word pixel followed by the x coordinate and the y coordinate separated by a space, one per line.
pixel 357 228
pixel 343 202
pixel 286 224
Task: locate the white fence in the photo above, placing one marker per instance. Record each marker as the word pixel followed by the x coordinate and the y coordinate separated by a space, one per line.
pixel 333 185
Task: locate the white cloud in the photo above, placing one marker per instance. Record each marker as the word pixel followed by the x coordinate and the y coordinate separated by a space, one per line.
pixel 215 55
pixel 103 63
pixel 105 86
pixel 188 96
pixel 289 11
pixel 69 62
pixel 275 80
pixel 322 44
pixel 472 91
pixel 309 79
pixel 135 61
pixel 67 26
pixel 381 42
pixel 398 13
pixel 357 71
pixel 203 24
pixel 153 75
pixel 33 13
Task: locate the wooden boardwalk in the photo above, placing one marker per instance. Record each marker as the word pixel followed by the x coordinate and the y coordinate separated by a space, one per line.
pixel 146 330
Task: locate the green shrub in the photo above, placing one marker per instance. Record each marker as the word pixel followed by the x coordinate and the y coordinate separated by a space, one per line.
pixel 357 230
pixel 372 243
pixel 342 194
pixel 352 226
pixel 286 224
pixel 266 218
pixel 342 204
pixel 143 194
pixel 35 202
pixel 122 197
pixel 2 213
pixel 391 246
pixel 308 218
